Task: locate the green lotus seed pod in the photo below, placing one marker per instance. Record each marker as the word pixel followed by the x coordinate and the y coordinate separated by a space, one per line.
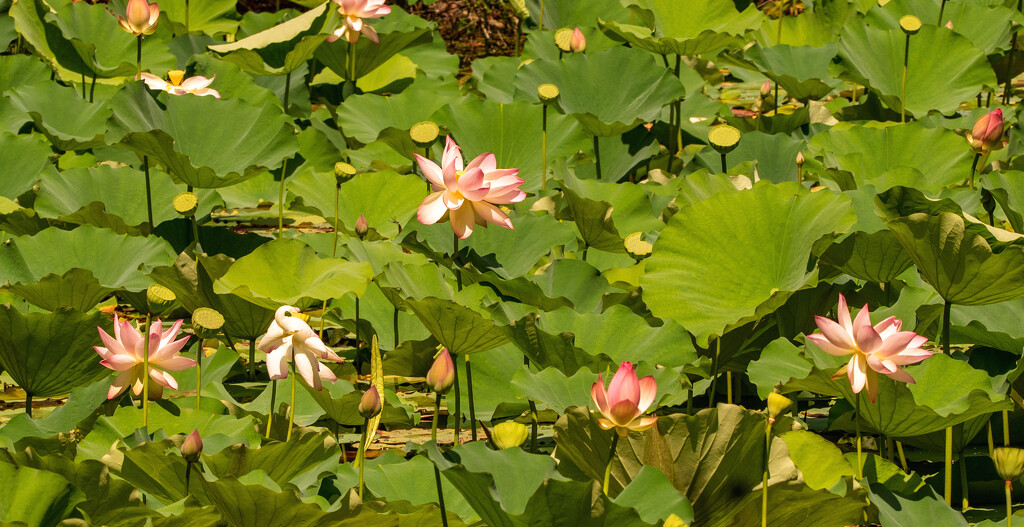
pixel 563 39
pixel 724 138
pixel 186 203
pixel 910 24
pixel 424 133
pixel 777 404
pixel 160 299
pixel 519 6
pixel 207 322
pixel 636 246
pixel 509 434
pixel 548 93
pixel 343 171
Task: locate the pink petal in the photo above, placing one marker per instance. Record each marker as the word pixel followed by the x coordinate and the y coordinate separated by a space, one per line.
pixel 835 333
pixel 486 162
pixel 855 370
pixel 820 341
pixel 462 220
pixel 867 339
pixel 277 362
pixel 896 343
pixel 863 319
pixel 112 346
pixel 163 379
pixel 910 356
pixel 901 376
pixel 599 395
pixel 472 185
pixel 624 386
pixel 307 367
pixel 120 384
pixel 451 198
pixel 623 413
pixel 452 156
pixel 326 374
pixel 432 209
pixel 197 82
pixel 648 390
pixel 491 214
pixel 174 363
pixel 644 423
pixel 843 315
pixel 120 362
pixel 430 170
pixel 275 337
pixel 371 33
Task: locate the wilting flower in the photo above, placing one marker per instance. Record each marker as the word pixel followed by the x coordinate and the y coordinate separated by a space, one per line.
pixel 509 434
pixel 577 42
pixel 467 194
pixel 140 18
pixel 987 133
pixel 192 447
pixel 626 399
pixel 352 14
pixel 179 85
pixel 124 352
pixel 881 348
pixel 441 375
pixel 370 404
pixel 289 338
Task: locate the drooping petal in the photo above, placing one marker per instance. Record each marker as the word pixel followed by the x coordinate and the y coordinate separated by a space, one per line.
pixel 370 33
pixel 163 379
pixel 599 395
pixel 856 371
pixel 308 367
pixel 326 374
pixel 624 386
pixel 871 381
pixel 120 362
pixel 648 390
pixel 432 209
pixel 121 383
pixel 909 356
pixel 491 214
pixel 176 363
pixel 605 424
pixel 197 82
pixel 277 361
pixel 154 82
pixel 272 339
pixel 430 170
pixel 462 220
pixel 899 374
pixel 822 342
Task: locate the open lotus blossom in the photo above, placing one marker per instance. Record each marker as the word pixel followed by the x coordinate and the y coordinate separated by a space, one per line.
pixel 352 14
pixel 881 348
pixel 179 85
pixel 140 17
pixel 290 338
pixel 467 194
pixel 124 352
pixel 625 401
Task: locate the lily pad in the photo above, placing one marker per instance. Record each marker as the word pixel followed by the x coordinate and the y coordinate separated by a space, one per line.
pixel 283 48
pixel 686 28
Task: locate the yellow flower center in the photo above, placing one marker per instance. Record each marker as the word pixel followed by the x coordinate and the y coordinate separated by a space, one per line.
pixel 176 76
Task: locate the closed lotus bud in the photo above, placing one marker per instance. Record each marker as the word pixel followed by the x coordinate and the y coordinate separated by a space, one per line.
pixel 777 404
pixel 192 447
pixel 577 42
pixel 442 373
pixel 137 13
pixel 800 158
pixel 987 133
pixel 509 434
pixel 361 226
pixel 766 89
pixel 674 521
pixel 1009 462
pixel 160 299
pixel 370 404
pixel 207 323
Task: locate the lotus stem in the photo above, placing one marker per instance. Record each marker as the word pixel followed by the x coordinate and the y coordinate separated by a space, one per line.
pixel 963 481
pixel 544 146
pixel 145 374
pixel 677 132
pixel 291 406
pixel 890 450
pixel 457 423
pixel 991 440
pixel 138 57
pixel 764 474
pixel 149 194
pixel 778 36
pixel 455 265
pixel 188 474
pixel 906 59
pixel 541 25
pixel 597 157
pixel 689 401
pixel 323 319
pixel 284 165
pixel 469 390
pixel 948 483
pixel 725 167
pixel 714 372
pixel 352 66
pixel 83 84
pixel 195 230
pixel 608 467
pixel 28 403
pixel 1006 428
pixel 1008 85
pixel 534 419
pixel 337 193
pixel 942 7
pixel 398 341
pixel 728 387
pixel 903 457
pixel 362 455
pixel 974 169
pixel 358 361
pixel 92 87
pixel 252 359
pixel 199 369
pixel 437 473
pixel 1009 503
pixel 273 405
pixel 856 425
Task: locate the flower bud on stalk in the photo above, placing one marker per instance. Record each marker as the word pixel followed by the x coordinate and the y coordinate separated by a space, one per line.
pixel 777 404
pixel 192 447
pixel 766 89
pixel 987 133
pixel 361 227
pixel 442 374
pixel 577 42
pixel 370 404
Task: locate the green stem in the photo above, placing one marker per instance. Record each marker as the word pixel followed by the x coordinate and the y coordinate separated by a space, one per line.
pixel 714 372
pixel 252 359
pixel 291 406
pixel 534 418
pixel 903 97
pixel 1009 504
pixel 440 497
pixel 728 387
pixel 188 475
pixel 778 36
pixel 948 483
pixel 597 157
pixel 359 364
pixel 946 308
pixel 963 481
pixel 149 192
pixel 273 405
pixel 974 168
pixel 764 475
pixel 195 231
pixel 1006 428
pixel 677 132
pixel 398 341
pixel 145 374
pixel 903 457
pixel 138 57
pixel 352 67
pixel 199 369
pixel 362 455
pixel 469 390
pixel 856 425
pixel 544 147
pixel 942 7
pixel 725 167
pixel 541 23
pixel 28 403
pixel 991 439
pixel 457 422
pixel 455 264
pixel 1008 85
pixel 437 416
pixel 83 84
pixel 92 87
pixel 337 193
pixel 608 467
pixel 186 17
pixel 284 165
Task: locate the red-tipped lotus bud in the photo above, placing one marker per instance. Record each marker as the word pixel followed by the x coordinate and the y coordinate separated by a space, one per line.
pixel 577 42
pixel 988 132
pixel 369 404
pixel 766 89
pixel 361 226
pixel 192 447
pixel 799 158
pixel 442 374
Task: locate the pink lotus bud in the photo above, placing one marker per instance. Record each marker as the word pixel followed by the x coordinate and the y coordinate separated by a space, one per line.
pixel 766 89
pixel 442 374
pixel 192 447
pixel 370 404
pixel 988 132
pixel 949 25
pixel 141 18
pixel 577 42
pixel 361 226
pixel 799 158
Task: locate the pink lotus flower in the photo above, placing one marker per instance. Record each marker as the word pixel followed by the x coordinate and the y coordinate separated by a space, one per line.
pixel 881 348
pixel 577 42
pixel 179 85
pixel 141 18
pixel 290 338
pixel 352 13
pixel 123 352
pixel 987 133
pixel 626 399
pixel 467 194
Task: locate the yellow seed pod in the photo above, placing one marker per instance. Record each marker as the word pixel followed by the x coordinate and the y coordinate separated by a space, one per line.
pixel 160 299
pixel 724 138
pixel 186 203
pixel 519 6
pixel 910 24
pixel 343 171
pixel 176 76
pixel 636 246
pixel 548 93
pixel 207 322
pixel 562 38
pixel 424 133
